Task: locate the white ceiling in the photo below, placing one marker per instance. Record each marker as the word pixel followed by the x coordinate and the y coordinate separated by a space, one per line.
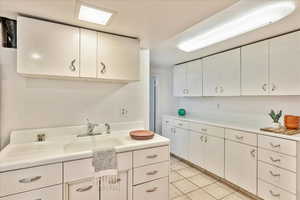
pixel 155 22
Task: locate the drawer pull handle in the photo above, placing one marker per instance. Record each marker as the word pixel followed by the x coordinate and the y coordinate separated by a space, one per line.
pixel 84 189
pixel 274 146
pixel 275 175
pixel 273 194
pixel 152 173
pixel 152 156
pixel 253 152
pixel 203 129
pixel 114 181
pixel 180 124
pixel 30 180
pixel 152 190
pixel 274 160
pixel 239 137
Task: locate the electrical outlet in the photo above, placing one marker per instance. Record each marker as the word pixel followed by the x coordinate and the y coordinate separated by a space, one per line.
pixel 124 112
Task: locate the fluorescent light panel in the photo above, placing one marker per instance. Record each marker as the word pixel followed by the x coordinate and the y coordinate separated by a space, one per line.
pixel 94 15
pixel 257 18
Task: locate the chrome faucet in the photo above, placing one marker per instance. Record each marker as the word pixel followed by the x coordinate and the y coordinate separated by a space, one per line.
pixel 107 126
pixel 90 127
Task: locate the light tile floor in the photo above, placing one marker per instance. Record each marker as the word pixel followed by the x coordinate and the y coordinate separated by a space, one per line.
pixel 188 183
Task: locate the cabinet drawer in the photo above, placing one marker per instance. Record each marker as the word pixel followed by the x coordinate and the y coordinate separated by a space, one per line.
pixel 158 190
pixel 50 193
pixel 279 177
pixel 80 169
pixel 270 192
pixel 241 136
pixel 181 124
pixel 29 179
pixel 150 156
pixel 82 190
pixel 150 172
pixel 277 159
pixel 206 129
pixel 277 144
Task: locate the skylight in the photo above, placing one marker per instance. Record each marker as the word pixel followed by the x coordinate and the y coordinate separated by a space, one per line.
pixel 94 15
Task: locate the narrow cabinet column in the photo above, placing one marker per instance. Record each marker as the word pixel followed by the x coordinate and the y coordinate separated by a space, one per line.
pixel 88 53
pixel 179 80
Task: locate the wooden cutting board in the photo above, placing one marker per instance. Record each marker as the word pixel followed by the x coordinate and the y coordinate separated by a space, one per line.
pixel 282 130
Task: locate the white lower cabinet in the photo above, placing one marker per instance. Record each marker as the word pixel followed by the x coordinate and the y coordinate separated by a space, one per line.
pixel 181 142
pixel 214 155
pixel 241 165
pixel 270 192
pixel 83 190
pixel 196 148
pixel 122 192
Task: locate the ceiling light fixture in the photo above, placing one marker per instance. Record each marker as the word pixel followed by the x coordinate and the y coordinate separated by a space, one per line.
pixel 94 15
pixel 253 19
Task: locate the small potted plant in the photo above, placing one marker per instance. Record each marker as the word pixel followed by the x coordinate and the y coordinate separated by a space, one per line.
pixel 275 117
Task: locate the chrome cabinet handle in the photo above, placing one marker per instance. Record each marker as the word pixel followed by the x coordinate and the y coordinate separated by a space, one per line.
pixel 187 91
pixel 152 190
pixel 221 89
pixel 201 138
pixel 274 146
pixel 103 70
pixel 253 152
pixel 205 140
pixel 274 160
pixel 273 87
pixel 151 156
pixel 152 173
pixel 264 87
pixel 217 89
pixel 239 137
pixel 275 175
pixel 30 180
pixel 72 65
pixel 273 194
pixel 180 124
pixel 203 129
pixel 84 189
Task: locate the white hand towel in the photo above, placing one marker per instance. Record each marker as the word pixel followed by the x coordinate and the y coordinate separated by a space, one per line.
pixel 106 168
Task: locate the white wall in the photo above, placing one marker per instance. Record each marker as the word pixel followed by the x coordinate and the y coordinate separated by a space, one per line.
pixel 248 109
pixel 165 100
pixel 37 103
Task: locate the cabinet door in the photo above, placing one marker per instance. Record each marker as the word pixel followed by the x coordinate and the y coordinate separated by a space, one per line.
pixel 88 53
pixel 118 57
pixel 46 48
pixel 241 165
pixel 179 80
pixel 194 78
pixel 214 155
pixel 230 70
pixel 196 148
pixel 119 194
pixel 83 190
pixel 181 142
pixel 211 76
pixel 284 65
pixel 255 69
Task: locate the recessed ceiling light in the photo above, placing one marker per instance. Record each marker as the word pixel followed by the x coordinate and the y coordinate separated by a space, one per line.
pixel 94 15
pixel 245 22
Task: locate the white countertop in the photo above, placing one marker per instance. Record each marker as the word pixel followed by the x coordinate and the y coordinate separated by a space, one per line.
pixel 237 125
pixel 23 155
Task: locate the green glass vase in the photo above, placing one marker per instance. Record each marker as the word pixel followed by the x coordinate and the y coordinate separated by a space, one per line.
pixel 181 112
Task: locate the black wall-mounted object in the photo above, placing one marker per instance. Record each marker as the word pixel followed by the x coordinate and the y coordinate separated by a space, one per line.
pixel 9 32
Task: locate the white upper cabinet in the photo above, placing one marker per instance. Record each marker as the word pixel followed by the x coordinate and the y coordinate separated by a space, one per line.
pixel 221 74
pixel 194 78
pixel 117 58
pixel 179 80
pixel 88 53
pixel 284 65
pixel 46 48
pixel 187 79
pixel 255 69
